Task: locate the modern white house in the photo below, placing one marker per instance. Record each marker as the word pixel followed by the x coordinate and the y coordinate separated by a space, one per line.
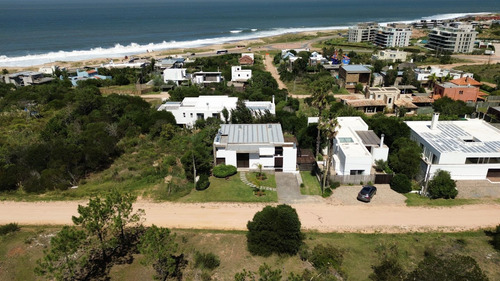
pixel 193 108
pixel 356 147
pixel 468 149
pixel 205 78
pixel 422 74
pixel 176 75
pixel 245 146
pixel 240 75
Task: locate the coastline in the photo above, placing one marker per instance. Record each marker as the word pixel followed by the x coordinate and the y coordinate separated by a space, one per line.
pixel 261 40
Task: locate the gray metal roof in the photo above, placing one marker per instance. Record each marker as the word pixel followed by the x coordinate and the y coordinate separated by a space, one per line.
pixel 368 137
pixel 356 68
pixel 252 133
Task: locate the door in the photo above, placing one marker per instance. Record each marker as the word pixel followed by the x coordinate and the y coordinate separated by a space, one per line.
pixel 243 160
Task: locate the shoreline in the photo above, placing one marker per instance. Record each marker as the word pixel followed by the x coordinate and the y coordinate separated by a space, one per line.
pixel 156 50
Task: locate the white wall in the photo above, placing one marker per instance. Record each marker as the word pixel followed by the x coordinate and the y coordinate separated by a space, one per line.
pixel 238 74
pixel 289 159
pixel 230 156
pixel 266 162
pixel 465 172
pixel 380 153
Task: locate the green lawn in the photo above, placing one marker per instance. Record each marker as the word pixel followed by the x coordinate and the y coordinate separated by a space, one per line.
pixel 231 190
pixel 270 180
pixel 415 200
pixel 311 184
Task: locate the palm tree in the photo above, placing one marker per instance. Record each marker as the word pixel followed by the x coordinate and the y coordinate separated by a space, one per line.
pixel 259 174
pixel 330 127
pixel 320 89
pixel 432 80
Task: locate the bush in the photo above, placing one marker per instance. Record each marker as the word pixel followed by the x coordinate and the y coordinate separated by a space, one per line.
pixel 274 230
pixel 454 267
pixel 442 186
pixel 202 182
pixel 496 239
pixel 327 192
pixel 323 257
pixel 8 228
pixel 222 170
pixel 334 185
pixel 207 261
pixel 388 270
pixel 401 183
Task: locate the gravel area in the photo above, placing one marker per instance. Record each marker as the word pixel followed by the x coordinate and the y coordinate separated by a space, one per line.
pixel 478 189
pixel 346 195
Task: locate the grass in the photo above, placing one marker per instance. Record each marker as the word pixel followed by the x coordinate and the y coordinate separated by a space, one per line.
pixel 19 252
pixel 270 180
pixel 487 72
pixel 311 184
pixel 231 190
pixel 415 200
pixel 342 42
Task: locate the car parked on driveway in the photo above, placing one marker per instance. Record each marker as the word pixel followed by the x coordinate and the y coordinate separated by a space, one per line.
pixel 367 192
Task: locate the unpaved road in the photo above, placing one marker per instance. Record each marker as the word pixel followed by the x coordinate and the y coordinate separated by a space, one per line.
pixel 322 217
pixel 268 63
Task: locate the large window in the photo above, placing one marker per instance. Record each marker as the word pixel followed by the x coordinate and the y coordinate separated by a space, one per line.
pixel 482 160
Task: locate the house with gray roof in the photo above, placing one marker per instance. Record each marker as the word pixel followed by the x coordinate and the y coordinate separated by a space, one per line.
pixel 468 149
pixel 247 145
pixel 351 75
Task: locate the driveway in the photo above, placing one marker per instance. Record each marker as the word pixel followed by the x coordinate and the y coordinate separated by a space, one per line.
pixel 478 189
pixel 288 190
pixel 346 195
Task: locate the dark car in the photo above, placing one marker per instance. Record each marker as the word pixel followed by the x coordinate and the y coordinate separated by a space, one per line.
pixel 367 192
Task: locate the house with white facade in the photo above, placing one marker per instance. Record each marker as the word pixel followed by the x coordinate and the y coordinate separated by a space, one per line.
pixel 468 149
pixel 390 55
pixel 240 75
pixel 356 147
pixel 176 75
pixel 245 146
pixel 423 74
pixel 194 108
pixel 206 78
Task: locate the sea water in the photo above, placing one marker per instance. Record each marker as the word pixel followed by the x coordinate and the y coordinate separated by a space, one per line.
pixel 39 31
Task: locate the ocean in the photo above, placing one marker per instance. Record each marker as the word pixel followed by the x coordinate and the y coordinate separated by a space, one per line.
pixel 33 32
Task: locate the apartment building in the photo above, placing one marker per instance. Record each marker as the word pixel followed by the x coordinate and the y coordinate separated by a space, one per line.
pixel 455 38
pixel 363 32
pixel 393 35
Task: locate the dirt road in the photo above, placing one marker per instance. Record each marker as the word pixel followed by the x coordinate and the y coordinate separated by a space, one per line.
pixel 322 217
pixel 268 63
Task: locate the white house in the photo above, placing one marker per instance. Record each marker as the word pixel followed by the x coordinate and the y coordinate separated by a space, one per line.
pixel 356 147
pixel 247 145
pixel 193 108
pixel 390 55
pixel 240 75
pixel 423 74
pixel 468 149
pixel 204 78
pixel 177 75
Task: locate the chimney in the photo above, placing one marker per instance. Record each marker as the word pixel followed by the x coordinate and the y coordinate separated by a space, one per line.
pixel 273 99
pixel 382 140
pixel 435 118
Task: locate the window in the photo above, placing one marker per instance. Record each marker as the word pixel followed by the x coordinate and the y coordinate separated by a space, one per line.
pixel 460 92
pixel 278 150
pixel 184 114
pixel 191 114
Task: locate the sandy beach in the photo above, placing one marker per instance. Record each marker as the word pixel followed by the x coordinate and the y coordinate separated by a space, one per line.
pixel 322 217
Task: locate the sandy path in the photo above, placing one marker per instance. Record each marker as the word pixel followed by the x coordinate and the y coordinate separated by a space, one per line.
pixel 234 216
pixel 268 63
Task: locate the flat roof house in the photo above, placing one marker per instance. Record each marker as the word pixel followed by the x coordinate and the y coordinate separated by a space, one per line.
pixel 350 75
pixel 26 78
pixel 240 75
pixel 247 145
pixel 176 75
pixel 206 78
pixel 390 55
pixel 356 147
pixel 468 149
pixel 194 108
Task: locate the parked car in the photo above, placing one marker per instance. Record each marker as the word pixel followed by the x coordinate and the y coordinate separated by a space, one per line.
pixel 367 192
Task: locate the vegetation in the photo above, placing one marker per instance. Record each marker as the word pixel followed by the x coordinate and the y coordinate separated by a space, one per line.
pixel 202 182
pixel 311 184
pixel 405 157
pixel 8 228
pixel 206 260
pixel 452 108
pixel 484 72
pixel 223 171
pixel 274 230
pixel 442 186
pixel 401 183
pixel 415 200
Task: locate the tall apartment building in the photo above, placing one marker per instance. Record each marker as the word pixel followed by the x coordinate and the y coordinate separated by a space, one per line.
pixel 363 32
pixel 393 35
pixel 455 37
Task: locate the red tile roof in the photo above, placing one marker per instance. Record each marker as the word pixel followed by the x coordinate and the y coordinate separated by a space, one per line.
pixel 464 81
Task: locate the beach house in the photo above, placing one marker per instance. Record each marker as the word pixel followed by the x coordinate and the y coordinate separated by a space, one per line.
pixel 247 59
pixel 194 108
pixel 239 74
pixel 351 75
pixel 465 89
pixel 468 149
pixel 26 78
pixel 87 74
pixel 175 75
pixel 246 146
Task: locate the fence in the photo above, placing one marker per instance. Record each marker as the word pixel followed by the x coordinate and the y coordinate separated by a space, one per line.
pixel 362 179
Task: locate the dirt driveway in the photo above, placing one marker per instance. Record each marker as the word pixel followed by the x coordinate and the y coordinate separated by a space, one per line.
pixel 346 195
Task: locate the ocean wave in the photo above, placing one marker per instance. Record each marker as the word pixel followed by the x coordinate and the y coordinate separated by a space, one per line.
pixel 119 50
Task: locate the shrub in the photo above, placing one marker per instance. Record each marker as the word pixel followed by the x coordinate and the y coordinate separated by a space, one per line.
pixel 401 183
pixel 442 186
pixel 274 230
pixel 454 267
pixel 302 185
pixel 206 260
pixel 496 239
pixel 222 170
pixel 334 185
pixel 388 270
pixel 8 228
pixel 327 192
pixel 202 182
pixel 326 257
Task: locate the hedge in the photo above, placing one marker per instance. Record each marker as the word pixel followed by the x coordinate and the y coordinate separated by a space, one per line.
pixel 222 170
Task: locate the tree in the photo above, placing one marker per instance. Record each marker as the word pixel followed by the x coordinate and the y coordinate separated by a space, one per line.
pixel 330 127
pixel 401 183
pixel 241 114
pixel 432 80
pixel 405 157
pixel 158 247
pixel 390 77
pixel 442 186
pixel 451 268
pixel 122 212
pixel 65 259
pixel 274 230
pixel 388 270
pixel 320 89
